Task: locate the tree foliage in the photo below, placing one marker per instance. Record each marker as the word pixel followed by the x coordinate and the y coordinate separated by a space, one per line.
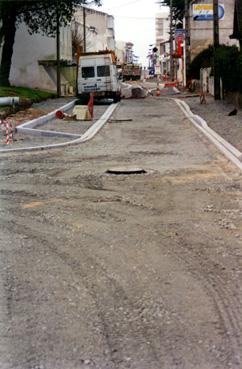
pixel 203 60
pixel 229 62
pixel 40 15
pixel 178 9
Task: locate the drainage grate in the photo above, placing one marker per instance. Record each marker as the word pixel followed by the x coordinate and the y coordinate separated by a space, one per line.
pixel 126 170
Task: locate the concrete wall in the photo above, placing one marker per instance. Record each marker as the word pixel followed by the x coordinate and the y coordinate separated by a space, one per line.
pixel 202 31
pixel 29 50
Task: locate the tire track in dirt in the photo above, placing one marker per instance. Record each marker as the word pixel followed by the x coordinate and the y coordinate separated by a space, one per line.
pixel 93 290
pixel 116 290
pixel 227 306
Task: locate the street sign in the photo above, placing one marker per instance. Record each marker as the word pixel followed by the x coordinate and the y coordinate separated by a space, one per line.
pixel 180 31
pixel 180 34
pixel 204 12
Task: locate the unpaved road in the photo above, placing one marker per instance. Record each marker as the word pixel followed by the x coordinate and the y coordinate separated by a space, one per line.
pixel 115 272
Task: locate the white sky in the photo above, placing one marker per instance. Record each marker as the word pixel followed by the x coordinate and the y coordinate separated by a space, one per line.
pixel 134 22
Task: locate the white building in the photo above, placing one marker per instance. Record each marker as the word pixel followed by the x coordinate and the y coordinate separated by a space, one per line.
pixel 162 29
pixel 120 52
pixel 100 33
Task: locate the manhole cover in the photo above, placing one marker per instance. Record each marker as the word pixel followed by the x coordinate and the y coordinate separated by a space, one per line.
pixel 126 170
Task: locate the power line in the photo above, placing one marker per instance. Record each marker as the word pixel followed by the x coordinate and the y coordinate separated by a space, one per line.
pixel 130 17
pixel 123 5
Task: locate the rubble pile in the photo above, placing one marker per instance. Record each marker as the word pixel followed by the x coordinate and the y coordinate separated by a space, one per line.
pixel 136 91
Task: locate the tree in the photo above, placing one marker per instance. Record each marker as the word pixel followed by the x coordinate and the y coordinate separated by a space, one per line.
pixel 178 9
pixel 39 16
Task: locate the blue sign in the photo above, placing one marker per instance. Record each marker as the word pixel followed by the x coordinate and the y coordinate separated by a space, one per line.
pixel 204 12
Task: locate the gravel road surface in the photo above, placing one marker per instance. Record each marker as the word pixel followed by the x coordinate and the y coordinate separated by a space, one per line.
pixel 101 271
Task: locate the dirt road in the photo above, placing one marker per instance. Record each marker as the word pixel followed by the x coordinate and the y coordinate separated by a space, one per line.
pixel 112 271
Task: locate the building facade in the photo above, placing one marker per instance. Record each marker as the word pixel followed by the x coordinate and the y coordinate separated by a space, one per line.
pixel 162 29
pixel 99 29
pixel 201 25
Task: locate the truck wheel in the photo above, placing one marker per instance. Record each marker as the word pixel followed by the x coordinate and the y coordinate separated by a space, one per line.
pixel 83 99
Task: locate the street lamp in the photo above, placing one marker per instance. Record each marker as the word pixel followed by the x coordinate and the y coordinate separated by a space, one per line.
pixel 58 76
pixel 171 43
pixel 84 30
pixel 215 45
pixel 187 57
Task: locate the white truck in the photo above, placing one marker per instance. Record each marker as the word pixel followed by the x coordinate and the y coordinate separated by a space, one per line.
pixel 97 73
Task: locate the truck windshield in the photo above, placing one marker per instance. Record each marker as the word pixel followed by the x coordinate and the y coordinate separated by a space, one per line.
pixel 88 72
pixel 103 71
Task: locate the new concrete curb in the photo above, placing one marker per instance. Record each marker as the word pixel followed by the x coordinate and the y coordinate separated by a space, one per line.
pixel 29 127
pixel 45 118
pixel 88 135
pixel 225 147
pixel 46 133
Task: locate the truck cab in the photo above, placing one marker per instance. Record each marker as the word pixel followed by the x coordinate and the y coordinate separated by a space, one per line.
pixel 98 73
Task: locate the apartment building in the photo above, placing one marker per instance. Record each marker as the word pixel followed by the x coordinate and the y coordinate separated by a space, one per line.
pixel 162 29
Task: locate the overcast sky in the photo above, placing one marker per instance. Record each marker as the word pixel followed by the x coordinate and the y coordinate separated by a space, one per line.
pixel 134 22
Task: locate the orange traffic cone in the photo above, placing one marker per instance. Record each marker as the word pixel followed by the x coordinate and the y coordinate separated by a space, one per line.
pixel 157 92
pixel 59 114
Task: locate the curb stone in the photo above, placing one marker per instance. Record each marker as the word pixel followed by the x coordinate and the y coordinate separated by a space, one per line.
pixel 225 147
pixel 88 135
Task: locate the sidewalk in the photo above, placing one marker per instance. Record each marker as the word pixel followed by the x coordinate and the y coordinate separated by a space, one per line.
pixel 37 110
pixel 215 113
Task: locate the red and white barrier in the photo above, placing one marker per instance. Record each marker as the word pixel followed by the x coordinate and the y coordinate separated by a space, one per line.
pixel 7 128
pixel 91 104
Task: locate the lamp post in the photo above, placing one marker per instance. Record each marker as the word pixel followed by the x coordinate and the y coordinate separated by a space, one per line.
pixel 171 43
pixel 58 75
pixel 187 57
pixel 215 45
pixel 84 30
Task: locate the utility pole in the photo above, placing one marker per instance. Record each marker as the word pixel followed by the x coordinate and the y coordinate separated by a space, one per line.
pixel 84 30
pixel 187 39
pixel 215 45
pixel 171 43
pixel 58 75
